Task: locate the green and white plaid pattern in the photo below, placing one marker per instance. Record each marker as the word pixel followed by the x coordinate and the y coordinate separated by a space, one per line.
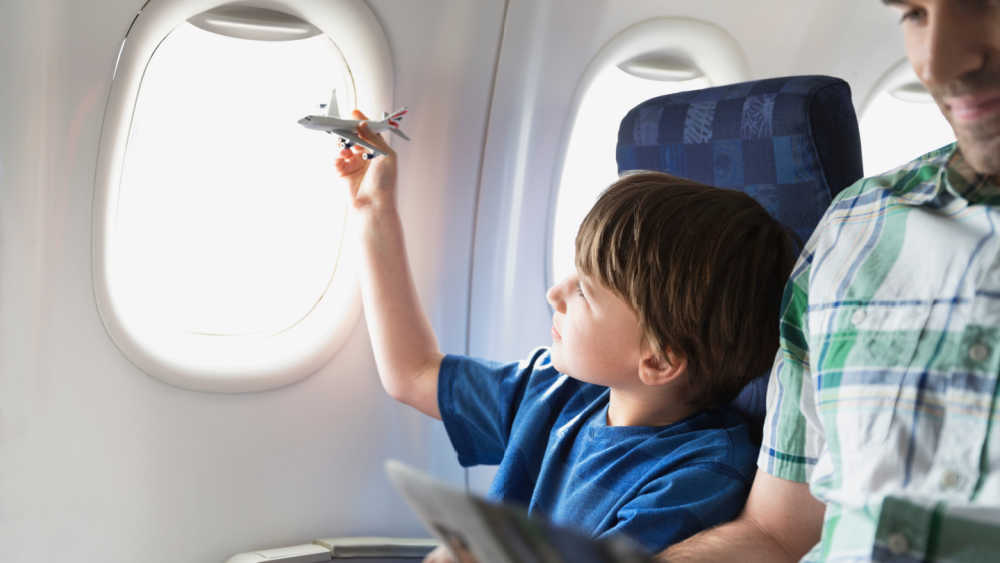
pixel 884 390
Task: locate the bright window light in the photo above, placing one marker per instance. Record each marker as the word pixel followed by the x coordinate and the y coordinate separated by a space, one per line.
pixel 894 132
pixel 900 122
pixel 590 165
pixel 229 219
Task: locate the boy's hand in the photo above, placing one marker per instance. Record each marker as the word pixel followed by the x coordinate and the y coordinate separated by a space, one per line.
pixel 372 182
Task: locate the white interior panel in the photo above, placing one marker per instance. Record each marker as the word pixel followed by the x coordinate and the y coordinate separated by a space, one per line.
pixel 104 463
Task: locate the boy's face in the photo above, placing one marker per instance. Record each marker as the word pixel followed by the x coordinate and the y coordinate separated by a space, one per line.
pixel 595 334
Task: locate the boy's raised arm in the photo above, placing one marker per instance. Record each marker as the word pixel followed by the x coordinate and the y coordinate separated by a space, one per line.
pixel 406 350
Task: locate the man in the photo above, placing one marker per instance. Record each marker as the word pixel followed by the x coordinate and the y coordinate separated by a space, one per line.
pixel 880 441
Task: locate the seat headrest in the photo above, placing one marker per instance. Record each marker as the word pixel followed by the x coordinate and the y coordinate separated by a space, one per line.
pixel 791 143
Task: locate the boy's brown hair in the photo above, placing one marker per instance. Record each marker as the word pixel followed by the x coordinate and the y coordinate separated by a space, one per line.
pixel 703 267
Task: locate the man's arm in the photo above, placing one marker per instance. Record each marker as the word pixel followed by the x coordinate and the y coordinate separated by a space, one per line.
pixel 406 350
pixel 780 522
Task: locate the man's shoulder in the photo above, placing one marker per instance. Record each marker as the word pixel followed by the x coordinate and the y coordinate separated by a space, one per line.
pixel 911 180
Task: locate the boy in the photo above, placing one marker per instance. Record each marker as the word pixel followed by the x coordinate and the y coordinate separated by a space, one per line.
pixel 621 426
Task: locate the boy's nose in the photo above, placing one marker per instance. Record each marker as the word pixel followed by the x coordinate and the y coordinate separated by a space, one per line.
pixel 555 297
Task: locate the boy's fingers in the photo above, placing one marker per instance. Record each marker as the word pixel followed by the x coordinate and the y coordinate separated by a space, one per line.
pixel 347 166
pixel 358 114
pixel 376 140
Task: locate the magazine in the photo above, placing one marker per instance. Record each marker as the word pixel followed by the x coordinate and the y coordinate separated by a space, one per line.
pixel 477 530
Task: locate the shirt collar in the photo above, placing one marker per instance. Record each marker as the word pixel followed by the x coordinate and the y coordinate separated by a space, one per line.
pixel 941 176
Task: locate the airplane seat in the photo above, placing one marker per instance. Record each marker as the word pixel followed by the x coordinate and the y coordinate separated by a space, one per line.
pixel 792 143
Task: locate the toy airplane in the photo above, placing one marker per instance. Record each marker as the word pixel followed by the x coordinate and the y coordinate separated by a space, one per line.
pixel 333 124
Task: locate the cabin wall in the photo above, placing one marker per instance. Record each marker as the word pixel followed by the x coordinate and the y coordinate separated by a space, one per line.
pixel 99 462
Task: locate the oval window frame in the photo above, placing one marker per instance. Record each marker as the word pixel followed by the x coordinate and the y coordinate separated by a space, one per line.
pixel 712 49
pixel 899 81
pixel 898 74
pixel 232 363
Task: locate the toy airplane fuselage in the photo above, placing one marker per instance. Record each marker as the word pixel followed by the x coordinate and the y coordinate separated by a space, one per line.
pixel 347 129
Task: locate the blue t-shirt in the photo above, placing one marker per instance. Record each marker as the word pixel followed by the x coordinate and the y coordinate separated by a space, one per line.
pixel 558 457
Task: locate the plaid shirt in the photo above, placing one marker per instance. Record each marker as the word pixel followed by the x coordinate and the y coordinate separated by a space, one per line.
pixel 883 396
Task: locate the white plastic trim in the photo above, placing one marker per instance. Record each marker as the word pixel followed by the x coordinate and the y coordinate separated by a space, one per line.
pixel 239 363
pixel 897 75
pixel 710 48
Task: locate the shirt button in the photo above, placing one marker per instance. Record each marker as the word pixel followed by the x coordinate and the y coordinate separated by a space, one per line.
pixel 950 480
pixel 858 317
pixel 979 352
pixel 898 544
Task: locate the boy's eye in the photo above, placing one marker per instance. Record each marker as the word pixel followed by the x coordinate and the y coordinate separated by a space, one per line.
pixel 911 14
pixel 579 289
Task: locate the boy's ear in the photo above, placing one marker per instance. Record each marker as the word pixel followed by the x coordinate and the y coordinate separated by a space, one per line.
pixel 656 368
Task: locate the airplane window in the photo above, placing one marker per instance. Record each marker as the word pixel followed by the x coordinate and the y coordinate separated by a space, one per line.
pixel 590 166
pixel 228 218
pixel 638 64
pixel 900 122
pixel 218 248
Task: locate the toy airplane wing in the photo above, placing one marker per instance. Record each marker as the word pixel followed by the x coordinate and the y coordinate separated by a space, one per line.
pixel 355 139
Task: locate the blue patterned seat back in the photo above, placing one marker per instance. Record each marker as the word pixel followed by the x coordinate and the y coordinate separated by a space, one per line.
pixel 792 143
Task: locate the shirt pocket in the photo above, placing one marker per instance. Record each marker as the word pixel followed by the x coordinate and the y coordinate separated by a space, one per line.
pixel 866 362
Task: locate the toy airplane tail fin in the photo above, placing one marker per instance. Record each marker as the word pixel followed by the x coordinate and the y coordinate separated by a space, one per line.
pixel 393 120
pixel 331 108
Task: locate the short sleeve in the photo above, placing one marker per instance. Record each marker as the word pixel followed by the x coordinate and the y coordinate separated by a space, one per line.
pixel 479 401
pixel 792 439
